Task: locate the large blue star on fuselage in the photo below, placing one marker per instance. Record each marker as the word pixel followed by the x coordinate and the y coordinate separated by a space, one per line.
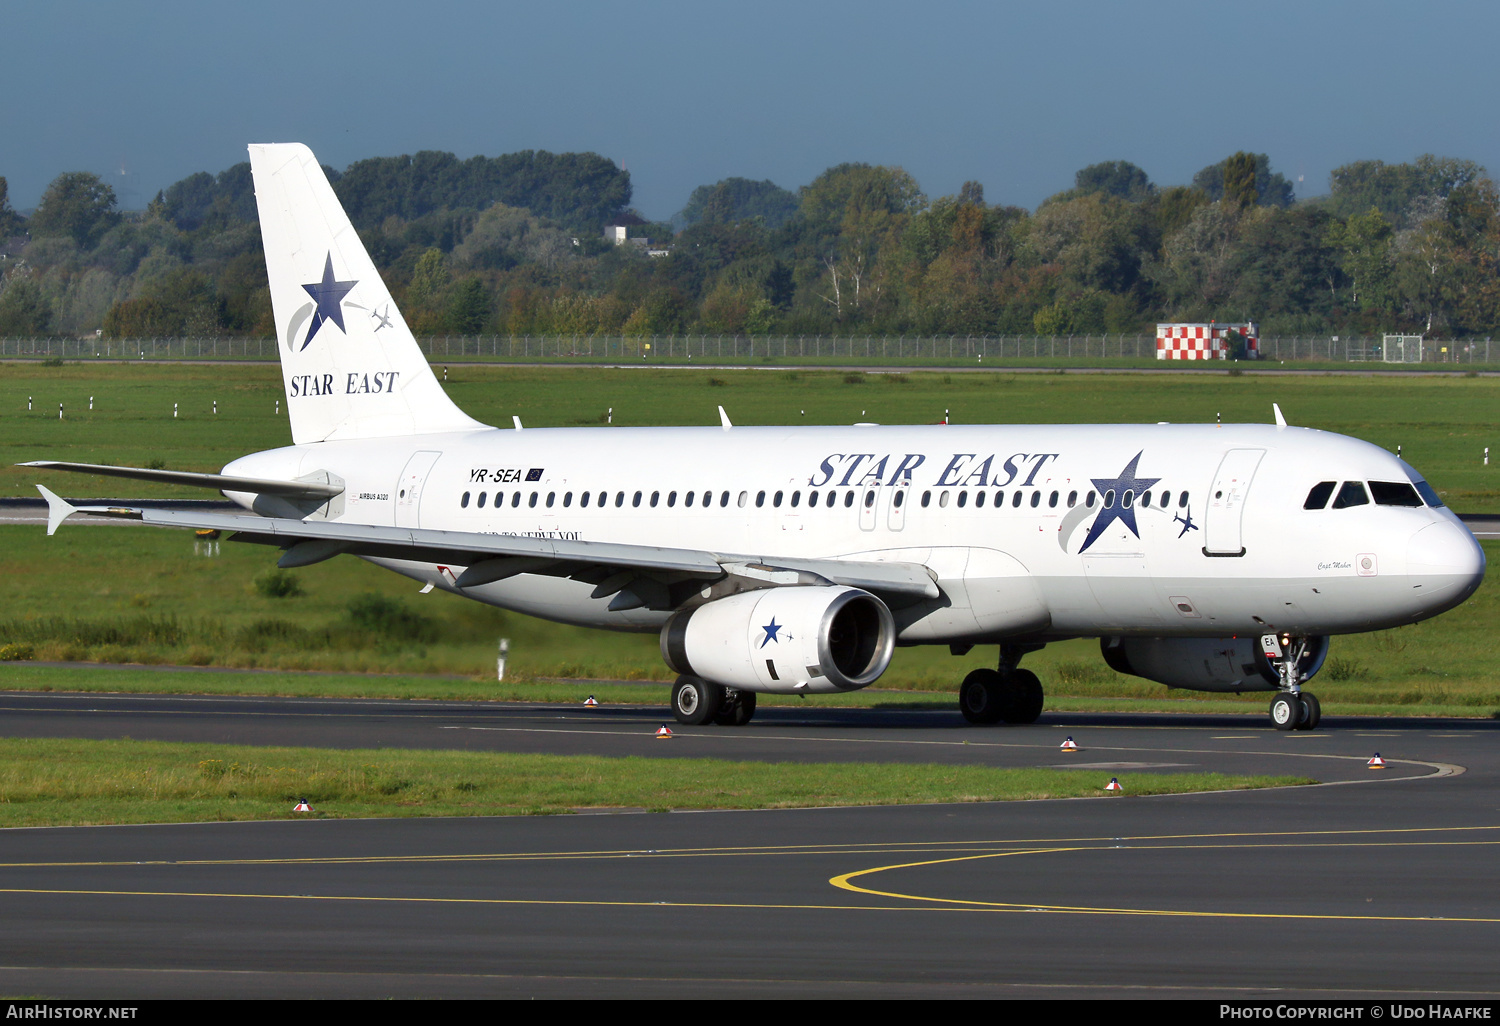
pixel 772 629
pixel 1115 508
pixel 328 294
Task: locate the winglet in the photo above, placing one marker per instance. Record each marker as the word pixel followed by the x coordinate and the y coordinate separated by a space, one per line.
pixel 58 509
pixel 1280 420
pixel 724 419
pixel 516 421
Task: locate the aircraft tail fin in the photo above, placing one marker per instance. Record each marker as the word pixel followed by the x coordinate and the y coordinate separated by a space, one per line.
pixel 351 366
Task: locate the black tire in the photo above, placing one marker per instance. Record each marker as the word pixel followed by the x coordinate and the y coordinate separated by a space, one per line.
pixel 1286 711
pixel 1312 712
pixel 980 697
pixel 738 711
pixel 1023 697
pixel 696 701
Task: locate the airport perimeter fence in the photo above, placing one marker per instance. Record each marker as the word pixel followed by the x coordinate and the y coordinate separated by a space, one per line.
pixel 943 350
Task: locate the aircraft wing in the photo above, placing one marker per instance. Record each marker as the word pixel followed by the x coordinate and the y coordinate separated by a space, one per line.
pixel 636 575
pixel 255 485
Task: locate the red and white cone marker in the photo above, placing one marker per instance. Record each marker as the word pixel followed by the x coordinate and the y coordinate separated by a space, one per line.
pixel 591 702
pixel 663 732
pixel 1068 746
pixel 1377 762
pixel 1113 785
pixel 302 806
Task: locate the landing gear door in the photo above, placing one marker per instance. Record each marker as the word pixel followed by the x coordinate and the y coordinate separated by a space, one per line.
pixel 1222 534
pixel 409 488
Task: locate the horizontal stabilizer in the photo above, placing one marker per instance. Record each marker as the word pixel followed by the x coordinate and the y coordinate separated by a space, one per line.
pixel 224 483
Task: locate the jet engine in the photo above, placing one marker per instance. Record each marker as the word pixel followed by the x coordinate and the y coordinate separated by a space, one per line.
pixel 791 639
pixel 1206 664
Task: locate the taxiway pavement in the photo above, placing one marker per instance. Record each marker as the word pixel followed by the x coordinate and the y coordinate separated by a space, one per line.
pixel 1378 883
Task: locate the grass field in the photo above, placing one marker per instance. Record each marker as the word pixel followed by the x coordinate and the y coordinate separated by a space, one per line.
pixel 47 782
pixel 1442 423
pixel 133 594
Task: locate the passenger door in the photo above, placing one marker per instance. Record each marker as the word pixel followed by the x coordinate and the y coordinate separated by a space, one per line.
pixel 409 488
pixel 1222 535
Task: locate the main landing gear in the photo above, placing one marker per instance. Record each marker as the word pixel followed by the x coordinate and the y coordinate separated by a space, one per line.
pixel 1292 708
pixel 1008 693
pixel 696 701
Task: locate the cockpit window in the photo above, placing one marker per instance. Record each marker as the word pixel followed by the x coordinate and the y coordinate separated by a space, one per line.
pixel 1351 494
pixel 1318 497
pixel 1427 492
pixel 1394 493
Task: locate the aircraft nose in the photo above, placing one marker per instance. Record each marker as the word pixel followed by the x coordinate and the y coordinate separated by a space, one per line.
pixel 1446 551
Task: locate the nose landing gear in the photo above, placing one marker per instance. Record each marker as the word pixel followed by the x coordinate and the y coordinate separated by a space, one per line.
pixel 1292 708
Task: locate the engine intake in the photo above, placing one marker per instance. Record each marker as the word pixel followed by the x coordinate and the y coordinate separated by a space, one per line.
pixel 1205 664
pixel 793 640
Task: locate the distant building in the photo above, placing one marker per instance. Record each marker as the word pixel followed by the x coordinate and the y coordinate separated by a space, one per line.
pixel 619 234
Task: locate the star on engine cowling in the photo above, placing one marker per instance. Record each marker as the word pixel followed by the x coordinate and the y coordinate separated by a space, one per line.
pixel 772 629
pixel 1115 490
pixel 328 294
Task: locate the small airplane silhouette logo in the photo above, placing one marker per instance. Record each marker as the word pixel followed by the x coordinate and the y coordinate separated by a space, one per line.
pixel 1187 524
pixel 383 319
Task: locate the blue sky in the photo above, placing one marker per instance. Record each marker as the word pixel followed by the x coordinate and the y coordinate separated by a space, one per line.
pixel 1015 96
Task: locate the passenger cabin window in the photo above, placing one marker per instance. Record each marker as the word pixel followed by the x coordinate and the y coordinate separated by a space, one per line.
pixel 796 498
pixel 550 496
pixel 776 500
pixel 760 499
pixel 671 499
pixel 532 502
pixel 978 500
pixel 869 498
pixel 1052 501
pixel 1351 494
pixel 1072 499
pixel 723 499
pixel 1394 493
pixel 963 499
pixel 1318 497
pixel 744 497
pixel 687 500
pixel 567 499
pixel 635 500
pixel 812 500
pixel 619 499
pixel 464 502
pixel 999 499
pixel 515 499
pixel 1088 501
pixel 655 497
pixel 1182 500
pixel 942 498
pixel 926 498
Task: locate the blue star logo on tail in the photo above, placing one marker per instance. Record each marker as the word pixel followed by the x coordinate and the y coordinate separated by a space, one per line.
pixel 772 629
pixel 329 295
pixel 1116 508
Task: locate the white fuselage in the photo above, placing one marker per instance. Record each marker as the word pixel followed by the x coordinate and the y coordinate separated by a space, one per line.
pixel 1027 529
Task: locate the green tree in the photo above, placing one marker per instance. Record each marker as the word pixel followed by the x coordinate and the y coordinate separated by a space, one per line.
pixel 11 223
pixel 77 205
pixel 739 199
pixel 468 307
pixel 1364 242
pixel 1118 178
pixel 23 309
pixel 1271 189
pixel 1238 176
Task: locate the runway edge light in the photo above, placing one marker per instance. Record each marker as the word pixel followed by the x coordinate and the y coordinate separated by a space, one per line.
pixel 591 702
pixel 663 732
pixel 1068 746
pixel 1377 762
pixel 1113 785
pixel 302 806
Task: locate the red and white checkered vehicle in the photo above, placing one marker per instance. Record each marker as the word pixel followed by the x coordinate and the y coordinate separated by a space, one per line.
pixel 1204 341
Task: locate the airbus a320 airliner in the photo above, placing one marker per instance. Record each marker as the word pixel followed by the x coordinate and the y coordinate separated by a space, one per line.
pixel 794 560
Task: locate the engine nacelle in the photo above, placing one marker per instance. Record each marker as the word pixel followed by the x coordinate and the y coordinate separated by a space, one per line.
pixel 1206 664
pixel 793 640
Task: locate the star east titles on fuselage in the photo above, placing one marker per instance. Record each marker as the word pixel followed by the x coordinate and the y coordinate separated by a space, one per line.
pixel 964 469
